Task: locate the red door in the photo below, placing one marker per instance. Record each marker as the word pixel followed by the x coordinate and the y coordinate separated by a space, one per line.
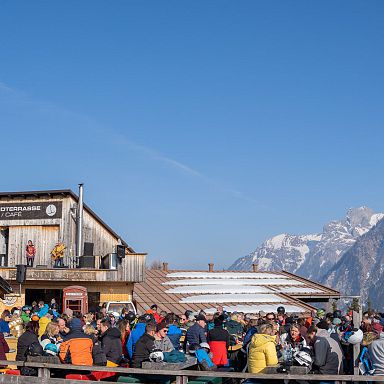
pixel 75 297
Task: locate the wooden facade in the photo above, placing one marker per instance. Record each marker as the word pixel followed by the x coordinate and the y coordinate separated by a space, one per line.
pixel 46 217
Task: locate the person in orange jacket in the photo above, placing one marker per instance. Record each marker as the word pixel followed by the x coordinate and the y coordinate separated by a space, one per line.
pixel 153 311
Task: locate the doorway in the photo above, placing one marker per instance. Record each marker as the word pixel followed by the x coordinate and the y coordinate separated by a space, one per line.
pixel 45 295
pixel 4 239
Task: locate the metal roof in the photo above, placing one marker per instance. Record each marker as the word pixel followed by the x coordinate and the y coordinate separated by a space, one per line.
pixel 65 192
pixel 177 291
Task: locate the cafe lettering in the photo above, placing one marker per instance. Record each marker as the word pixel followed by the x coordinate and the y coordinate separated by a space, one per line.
pixel 30 211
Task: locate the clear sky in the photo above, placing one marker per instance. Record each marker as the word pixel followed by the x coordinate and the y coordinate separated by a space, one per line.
pixel 200 128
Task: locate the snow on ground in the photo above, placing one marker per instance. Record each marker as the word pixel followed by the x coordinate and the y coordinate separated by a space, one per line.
pixel 261 282
pixel 233 298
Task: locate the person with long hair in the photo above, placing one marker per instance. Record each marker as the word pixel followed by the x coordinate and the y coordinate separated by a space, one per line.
pixel 29 337
pixel 51 336
pixel 30 253
pixel 4 322
pixel 125 331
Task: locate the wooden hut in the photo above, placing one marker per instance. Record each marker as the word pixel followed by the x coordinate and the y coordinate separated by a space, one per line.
pixel 107 266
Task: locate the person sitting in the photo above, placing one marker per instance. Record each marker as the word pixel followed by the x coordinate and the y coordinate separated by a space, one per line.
pixel 218 340
pixel 136 333
pixel 262 349
pixel 174 332
pixel 44 321
pixel 144 346
pixel 293 338
pixel 51 336
pixel 111 343
pixel 125 331
pixel 4 348
pixel 24 342
pixel 328 355
pixel 77 347
pixel 98 355
pixel 162 341
pixel 234 327
pixel 195 334
pixel 4 322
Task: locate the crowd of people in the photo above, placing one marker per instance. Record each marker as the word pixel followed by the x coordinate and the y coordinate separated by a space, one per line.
pixel 322 342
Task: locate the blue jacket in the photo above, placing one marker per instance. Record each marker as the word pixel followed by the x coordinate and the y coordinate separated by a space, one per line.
pixel 135 335
pixel 174 334
pixel 43 311
pixel 4 326
pixel 195 335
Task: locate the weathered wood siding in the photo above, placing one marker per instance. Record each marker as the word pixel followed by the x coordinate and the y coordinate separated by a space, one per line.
pixel 44 233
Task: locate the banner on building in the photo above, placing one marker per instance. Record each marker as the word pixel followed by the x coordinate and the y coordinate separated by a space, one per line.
pixel 31 211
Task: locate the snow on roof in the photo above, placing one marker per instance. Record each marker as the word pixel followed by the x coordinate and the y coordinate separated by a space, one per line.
pixel 224 275
pixel 255 308
pixel 219 289
pixel 237 281
pixel 298 290
pixel 233 298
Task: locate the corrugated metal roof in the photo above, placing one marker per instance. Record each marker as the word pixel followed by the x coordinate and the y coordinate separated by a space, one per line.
pixel 166 289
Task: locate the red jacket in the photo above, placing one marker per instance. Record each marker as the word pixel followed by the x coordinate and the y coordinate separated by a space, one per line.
pixel 4 348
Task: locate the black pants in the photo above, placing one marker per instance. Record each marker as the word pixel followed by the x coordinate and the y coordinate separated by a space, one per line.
pixel 30 261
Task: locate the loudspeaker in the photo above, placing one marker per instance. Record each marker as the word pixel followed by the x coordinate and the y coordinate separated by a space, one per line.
pixel 87 262
pixel 21 273
pixel 88 249
pixel 120 250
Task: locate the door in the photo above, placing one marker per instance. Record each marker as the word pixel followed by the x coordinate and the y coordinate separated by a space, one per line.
pixel 4 234
pixel 75 297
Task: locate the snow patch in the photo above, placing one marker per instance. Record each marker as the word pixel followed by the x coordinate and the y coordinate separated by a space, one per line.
pixel 233 298
pixel 219 289
pixel 256 308
pixel 225 275
pixel 234 282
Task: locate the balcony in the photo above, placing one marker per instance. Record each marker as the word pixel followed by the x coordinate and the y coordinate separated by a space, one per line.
pixel 129 269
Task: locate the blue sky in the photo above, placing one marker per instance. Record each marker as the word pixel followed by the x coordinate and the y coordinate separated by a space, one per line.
pixel 200 128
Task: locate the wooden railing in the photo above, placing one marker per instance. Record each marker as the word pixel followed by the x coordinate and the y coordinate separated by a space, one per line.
pixel 181 376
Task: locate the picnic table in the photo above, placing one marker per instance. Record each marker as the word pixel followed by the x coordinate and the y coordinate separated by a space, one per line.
pixel 293 370
pixel 150 365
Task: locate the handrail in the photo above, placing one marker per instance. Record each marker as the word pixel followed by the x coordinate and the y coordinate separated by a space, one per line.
pixel 189 373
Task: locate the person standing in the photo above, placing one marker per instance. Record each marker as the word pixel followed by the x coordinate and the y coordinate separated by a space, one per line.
pixel 57 255
pixel 30 253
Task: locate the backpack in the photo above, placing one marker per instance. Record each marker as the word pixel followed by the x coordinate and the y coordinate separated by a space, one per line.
pixel 174 357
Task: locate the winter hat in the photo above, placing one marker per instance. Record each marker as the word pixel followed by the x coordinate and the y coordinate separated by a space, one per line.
pixel 201 317
pixel 75 324
pixel 218 321
pixel 336 321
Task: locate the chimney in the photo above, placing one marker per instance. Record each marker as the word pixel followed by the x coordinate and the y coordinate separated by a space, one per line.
pixel 165 267
pixel 79 222
pixel 210 267
pixel 254 268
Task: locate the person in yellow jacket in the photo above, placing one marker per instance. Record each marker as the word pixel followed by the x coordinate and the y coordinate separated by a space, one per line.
pixel 262 349
pixel 43 322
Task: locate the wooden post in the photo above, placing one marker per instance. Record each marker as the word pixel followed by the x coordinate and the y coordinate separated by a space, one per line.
pixel 44 373
pixel 356 318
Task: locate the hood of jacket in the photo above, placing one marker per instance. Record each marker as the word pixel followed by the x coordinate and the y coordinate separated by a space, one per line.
pixel 113 333
pixel 259 339
pixel 323 333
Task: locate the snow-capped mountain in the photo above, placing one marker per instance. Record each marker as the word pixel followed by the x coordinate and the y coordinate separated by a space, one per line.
pixel 313 255
pixel 360 271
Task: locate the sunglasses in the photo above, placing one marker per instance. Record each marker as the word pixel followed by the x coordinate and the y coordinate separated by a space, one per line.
pixel 165 330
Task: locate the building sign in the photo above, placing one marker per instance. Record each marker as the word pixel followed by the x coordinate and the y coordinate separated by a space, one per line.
pixel 31 211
